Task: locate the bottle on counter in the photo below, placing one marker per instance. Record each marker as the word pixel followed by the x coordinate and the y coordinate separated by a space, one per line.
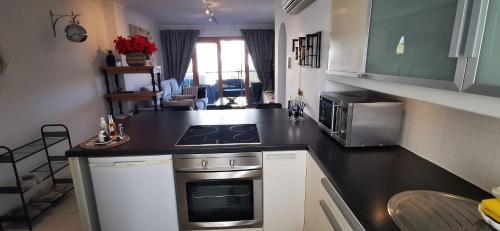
pixel 103 125
pixel 120 131
pixel 112 128
pixel 101 137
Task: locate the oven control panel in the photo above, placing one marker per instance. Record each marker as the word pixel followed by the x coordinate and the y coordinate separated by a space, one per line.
pixel 218 162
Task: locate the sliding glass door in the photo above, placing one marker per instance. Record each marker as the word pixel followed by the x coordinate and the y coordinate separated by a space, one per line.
pixel 224 67
pixel 233 68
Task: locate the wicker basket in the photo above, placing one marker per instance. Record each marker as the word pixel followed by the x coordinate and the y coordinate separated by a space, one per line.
pixel 136 59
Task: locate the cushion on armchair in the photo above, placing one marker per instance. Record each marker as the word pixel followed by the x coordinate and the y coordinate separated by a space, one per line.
pixel 182 97
pixel 176 89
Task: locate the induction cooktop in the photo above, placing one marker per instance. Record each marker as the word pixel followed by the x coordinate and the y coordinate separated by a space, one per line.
pixel 201 135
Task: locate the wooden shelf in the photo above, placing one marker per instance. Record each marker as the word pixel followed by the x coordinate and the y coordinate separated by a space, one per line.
pixel 134 96
pixel 125 70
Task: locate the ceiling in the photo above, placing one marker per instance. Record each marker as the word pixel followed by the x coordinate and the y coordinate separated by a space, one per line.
pixel 192 12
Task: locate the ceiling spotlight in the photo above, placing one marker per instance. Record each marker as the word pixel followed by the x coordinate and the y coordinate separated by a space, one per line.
pixel 208 12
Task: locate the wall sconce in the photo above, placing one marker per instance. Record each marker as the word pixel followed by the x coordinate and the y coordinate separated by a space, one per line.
pixel 74 32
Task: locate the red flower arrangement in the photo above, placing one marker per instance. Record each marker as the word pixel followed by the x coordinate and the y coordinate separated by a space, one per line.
pixel 133 44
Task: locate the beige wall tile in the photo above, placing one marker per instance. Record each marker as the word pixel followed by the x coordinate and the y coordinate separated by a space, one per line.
pixel 464 143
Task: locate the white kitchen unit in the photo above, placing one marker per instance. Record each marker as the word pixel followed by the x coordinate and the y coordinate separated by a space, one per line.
pixel 324 208
pixel 348 36
pixel 135 193
pixel 284 175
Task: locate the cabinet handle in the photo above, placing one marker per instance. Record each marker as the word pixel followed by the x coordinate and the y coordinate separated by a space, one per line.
pixel 476 28
pixel 329 214
pixel 333 195
pixel 459 29
pixel 362 75
pixel 281 156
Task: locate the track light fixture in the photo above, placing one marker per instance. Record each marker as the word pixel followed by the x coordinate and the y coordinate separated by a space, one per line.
pixel 208 12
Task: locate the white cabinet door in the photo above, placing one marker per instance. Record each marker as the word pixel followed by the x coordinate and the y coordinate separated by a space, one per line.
pixel 349 35
pixel 321 211
pixel 135 193
pixel 314 218
pixel 284 190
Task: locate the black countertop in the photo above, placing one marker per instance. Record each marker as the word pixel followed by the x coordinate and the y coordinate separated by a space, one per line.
pixel 365 177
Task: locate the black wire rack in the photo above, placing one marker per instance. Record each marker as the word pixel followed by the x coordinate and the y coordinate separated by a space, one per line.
pixel 29 210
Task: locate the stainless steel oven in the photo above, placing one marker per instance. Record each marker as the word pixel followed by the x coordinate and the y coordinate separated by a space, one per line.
pixel 360 118
pixel 219 190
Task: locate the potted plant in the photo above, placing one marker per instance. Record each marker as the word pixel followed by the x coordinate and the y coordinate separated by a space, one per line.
pixel 135 48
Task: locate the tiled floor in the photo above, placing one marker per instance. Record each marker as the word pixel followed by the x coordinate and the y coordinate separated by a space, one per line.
pixel 62 217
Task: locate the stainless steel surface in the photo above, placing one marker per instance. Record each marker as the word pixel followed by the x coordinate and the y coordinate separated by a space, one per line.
pixel 344 209
pixel 471 84
pixel 362 118
pixel 224 166
pixel 476 28
pixel 457 37
pixel 218 162
pixel 430 210
pixel 329 214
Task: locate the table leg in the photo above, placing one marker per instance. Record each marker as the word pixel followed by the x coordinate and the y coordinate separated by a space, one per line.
pixel 120 105
pixel 155 103
pixel 117 83
pixel 110 102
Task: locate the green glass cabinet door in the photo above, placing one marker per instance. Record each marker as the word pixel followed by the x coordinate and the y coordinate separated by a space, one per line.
pixel 410 41
pixel 483 73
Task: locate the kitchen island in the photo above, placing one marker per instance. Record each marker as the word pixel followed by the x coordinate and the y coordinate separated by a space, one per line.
pixel 365 178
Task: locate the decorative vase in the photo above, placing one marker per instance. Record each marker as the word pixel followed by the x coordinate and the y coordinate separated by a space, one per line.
pixel 110 59
pixel 136 59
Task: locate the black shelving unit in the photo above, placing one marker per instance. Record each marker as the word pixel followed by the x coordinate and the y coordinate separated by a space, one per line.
pixel 52 134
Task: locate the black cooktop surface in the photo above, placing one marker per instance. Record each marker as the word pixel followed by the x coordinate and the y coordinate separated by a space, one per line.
pixel 220 135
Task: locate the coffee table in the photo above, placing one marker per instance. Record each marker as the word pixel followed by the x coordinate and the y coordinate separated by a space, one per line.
pixel 231 102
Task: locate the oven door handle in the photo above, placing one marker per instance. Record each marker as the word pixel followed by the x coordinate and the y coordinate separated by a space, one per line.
pixel 200 176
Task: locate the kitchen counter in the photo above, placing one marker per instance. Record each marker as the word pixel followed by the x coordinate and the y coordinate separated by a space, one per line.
pixel 364 177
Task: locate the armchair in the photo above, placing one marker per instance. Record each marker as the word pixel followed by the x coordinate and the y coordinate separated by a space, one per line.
pixel 174 95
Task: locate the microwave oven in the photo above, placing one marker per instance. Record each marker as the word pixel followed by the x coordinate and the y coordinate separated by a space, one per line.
pixel 361 118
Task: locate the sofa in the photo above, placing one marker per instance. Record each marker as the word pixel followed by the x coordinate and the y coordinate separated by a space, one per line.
pixel 174 95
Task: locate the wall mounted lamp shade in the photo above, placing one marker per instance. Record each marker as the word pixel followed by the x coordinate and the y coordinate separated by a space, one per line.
pixel 74 31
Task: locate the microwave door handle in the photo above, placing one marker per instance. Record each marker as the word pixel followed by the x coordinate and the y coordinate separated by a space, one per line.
pixel 334 119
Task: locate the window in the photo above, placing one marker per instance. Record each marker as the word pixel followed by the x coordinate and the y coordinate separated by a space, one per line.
pixel 224 67
pixel 233 68
pixel 188 78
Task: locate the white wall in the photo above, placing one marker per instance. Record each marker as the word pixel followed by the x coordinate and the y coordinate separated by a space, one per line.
pixel 465 143
pixel 311 80
pixel 50 79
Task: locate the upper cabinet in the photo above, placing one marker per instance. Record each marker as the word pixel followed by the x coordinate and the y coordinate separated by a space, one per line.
pixel 348 36
pixel 412 39
pixel 483 72
pixel 446 44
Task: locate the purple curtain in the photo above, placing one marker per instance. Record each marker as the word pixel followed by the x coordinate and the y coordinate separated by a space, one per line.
pixel 260 44
pixel 178 48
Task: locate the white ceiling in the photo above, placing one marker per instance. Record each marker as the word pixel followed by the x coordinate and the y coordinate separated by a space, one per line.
pixel 192 12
